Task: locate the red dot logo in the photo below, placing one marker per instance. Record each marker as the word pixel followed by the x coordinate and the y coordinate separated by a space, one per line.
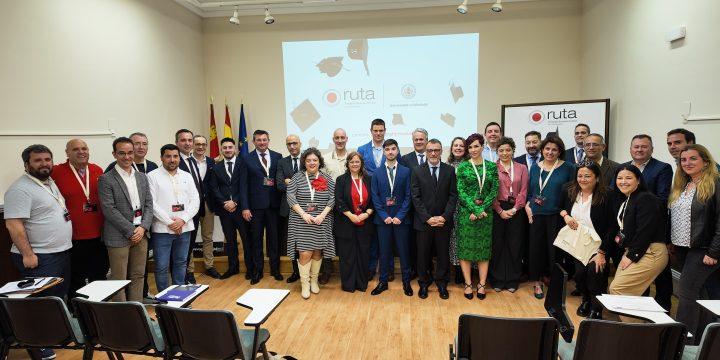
pixel 536 117
pixel 331 97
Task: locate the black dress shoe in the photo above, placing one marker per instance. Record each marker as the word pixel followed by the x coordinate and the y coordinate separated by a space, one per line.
pixel 584 309
pixel 444 294
pixel 293 278
pixel 324 278
pixel 595 314
pixel 575 292
pixel 277 276
pixel 256 279
pixel 423 292
pixel 211 272
pixel 381 286
pixel 190 279
pixel 229 273
pixel 407 289
pixel 480 296
pixel 391 277
pixel 470 295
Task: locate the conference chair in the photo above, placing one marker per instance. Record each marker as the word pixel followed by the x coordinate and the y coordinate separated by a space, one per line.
pixel 709 345
pixel 119 327
pixel 486 337
pixel 208 334
pixel 38 323
pixel 602 340
pixel 555 302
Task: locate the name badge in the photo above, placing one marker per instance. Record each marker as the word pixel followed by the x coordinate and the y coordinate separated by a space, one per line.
pixel 268 181
pixel 178 207
pixel 89 207
pixel 137 219
pixel 66 215
pixel 390 201
pixel 619 238
pixel 311 208
pixel 539 200
pixel 479 200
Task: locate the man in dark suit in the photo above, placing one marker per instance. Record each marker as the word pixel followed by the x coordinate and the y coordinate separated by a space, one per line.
pixel 391 198
pixel 657 176
pixel 225 186
pixel 411 161
pixel 184 140
pixel 594 145
pixel 532 155
pixel 287 167
pixel 434 196
pixel 576 154
pixel 260 202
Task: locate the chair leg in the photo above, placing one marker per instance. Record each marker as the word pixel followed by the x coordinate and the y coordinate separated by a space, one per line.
pixel 34 354
pixel 266 356
pixel 110 355
pixel 118 355
pixel 88 353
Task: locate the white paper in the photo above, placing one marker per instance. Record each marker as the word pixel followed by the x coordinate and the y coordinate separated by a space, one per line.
pixel 623 302
pixel 12 286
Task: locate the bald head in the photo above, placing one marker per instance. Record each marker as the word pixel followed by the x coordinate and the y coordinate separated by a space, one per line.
pixel 78 153
pixel 293 144
pixel 340 139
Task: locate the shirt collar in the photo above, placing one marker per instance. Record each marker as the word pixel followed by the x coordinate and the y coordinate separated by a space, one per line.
pixel 124 173
pixel 231 159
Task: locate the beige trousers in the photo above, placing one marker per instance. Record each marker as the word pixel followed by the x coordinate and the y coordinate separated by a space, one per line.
pixel 207 227
pixel 637 277
pixel 128 263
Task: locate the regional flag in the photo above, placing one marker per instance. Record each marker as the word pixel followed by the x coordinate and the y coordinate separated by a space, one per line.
pixel 243 147
pixel 214 148
pixel 228 127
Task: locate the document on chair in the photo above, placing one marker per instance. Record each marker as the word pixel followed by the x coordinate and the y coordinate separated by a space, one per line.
pixel 26 285
pixel 624 302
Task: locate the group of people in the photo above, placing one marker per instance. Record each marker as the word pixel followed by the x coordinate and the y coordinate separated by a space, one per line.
pixel 482 208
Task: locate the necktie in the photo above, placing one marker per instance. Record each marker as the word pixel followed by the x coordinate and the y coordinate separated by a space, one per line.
pixel 392 175
pixel 434 175
pixel 295 165
pixel 533 160
pixel 422 159
pixel 264 160
pixel 195 172
pixel 580 153
pixel 229 165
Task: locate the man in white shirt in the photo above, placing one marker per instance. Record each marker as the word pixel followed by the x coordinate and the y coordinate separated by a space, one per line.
pixel 493 133
pixel 207 222
pixel 335 159
pixel 175 202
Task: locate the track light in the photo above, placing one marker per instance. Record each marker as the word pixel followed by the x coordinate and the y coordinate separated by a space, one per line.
pixel 234 19
pixel 269 19
pixel 497 6
pixel 462 8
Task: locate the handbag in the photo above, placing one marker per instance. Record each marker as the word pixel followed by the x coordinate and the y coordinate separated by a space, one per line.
pixel 581 243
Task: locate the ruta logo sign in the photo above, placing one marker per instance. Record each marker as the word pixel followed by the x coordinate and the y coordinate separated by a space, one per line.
pixel 331 97
pixel 536 117
pixel 359 96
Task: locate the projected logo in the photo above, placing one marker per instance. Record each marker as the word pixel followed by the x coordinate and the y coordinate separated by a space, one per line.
pixel 537 117
pixel 408 91
pixel 331 97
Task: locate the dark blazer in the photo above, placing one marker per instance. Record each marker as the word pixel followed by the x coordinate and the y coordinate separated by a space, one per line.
pixel 401 191
pixel 705 223
pixel 522 159
pixel 430 200
pixel 343 202
pixel 607 171
pixel 255 195
pixel 150 166
pixel 657 177
pixel 602 216
pixel 570 155
pixel 410 160
pixel 203 185
pixel 284 171
pixel 222 188
pixel 117 208
pixel 645 222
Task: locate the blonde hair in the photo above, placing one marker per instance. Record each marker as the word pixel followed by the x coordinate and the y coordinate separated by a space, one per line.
pixel 705 188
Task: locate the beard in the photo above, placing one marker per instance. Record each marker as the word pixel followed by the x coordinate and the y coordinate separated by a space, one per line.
pixel 41 174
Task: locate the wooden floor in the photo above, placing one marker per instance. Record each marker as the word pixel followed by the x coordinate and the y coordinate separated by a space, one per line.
pixel 339 325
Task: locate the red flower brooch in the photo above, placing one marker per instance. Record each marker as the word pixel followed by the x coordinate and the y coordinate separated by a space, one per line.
pixel 319 184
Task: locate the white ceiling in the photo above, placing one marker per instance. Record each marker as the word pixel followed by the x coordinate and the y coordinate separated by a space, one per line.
pixel 216 8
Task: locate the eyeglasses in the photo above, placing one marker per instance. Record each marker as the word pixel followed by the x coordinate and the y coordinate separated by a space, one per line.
pixel 433 151
pixel 201 145
pixel 592 145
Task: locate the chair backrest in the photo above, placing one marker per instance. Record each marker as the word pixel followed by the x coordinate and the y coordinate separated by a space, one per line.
pixel 118 326
pixel 555 302
pixel 39 321
pixel 599 339
pixel 202 334
pixel 506 338
pixel 710 343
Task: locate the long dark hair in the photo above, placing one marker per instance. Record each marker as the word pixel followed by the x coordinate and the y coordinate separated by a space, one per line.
pixel 451 158
pixel 349 157
pixel 633 169
pixel 599 191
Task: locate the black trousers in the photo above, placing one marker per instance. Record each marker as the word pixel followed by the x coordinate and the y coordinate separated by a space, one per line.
pixel 88 262
pixel 354 255
pixel 282 241
pixel 543 231
pixel 437 239
pixel 692 280
pixel 590 282
pixel 507 244
pixel 264 222
pixel 193 236
pixel 232 224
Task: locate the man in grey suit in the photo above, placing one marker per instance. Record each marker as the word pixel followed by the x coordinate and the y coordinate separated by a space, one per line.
pixel 127 204
pixel 287 167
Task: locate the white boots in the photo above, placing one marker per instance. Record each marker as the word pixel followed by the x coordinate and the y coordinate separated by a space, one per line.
pixel 309 277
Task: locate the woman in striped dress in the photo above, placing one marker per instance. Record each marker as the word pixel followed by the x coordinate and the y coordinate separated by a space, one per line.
pixel 311 196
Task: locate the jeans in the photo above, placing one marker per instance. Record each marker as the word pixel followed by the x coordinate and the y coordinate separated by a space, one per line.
pixel 166 246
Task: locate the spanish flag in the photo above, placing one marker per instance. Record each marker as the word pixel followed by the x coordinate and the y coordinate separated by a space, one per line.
pixel 214 148
pixel 228 128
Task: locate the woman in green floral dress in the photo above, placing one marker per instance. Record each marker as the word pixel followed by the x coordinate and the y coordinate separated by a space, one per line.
pixel 477 182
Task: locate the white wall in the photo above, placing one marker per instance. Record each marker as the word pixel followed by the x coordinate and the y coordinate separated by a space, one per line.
pixel 625 57
pixel 86 65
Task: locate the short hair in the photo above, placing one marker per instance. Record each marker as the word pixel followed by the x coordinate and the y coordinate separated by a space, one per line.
pixel 121 140
pixel 311 151
pixel 350 156
pixel 168 147
pixel 533 133
pixel 137 133
pixel 377 122
pixel 689 135
pixel 35 149
pixel 491 124
pixel 259 132
pixel 390 142
pixel 435 141
pixel 581 124
pixel 602 139
pixel 227 139
pixel 199 136
pixel 553 140
pixel 472 138
pixel 641 136
pixel 181 131
pixel 420 130
pixel 506 141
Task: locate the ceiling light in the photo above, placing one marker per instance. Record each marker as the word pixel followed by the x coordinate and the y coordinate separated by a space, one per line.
pixel 234 19
pixel 269 19
pixel 463 7
pixel 497 6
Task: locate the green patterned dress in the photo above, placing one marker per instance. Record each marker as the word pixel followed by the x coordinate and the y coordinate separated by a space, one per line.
pixel 475 237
